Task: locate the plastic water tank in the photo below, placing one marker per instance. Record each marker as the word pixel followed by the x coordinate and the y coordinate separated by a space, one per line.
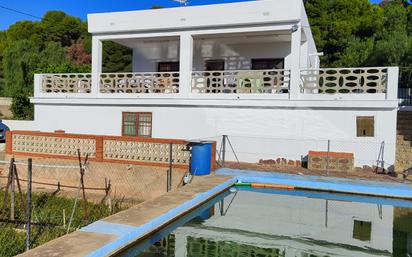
pixel 201 158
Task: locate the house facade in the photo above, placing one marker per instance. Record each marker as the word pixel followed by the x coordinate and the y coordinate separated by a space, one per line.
pixel 248 70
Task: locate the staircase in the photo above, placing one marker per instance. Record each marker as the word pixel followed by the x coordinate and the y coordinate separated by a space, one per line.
pixel 404 142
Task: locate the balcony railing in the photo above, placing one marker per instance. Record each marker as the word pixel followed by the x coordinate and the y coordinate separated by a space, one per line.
pixel 344 81
pixel 348 83
pixel 241 82
pixel 138 83
pixel 66 83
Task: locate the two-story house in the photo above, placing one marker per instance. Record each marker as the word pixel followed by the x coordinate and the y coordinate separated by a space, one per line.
pixel 248 70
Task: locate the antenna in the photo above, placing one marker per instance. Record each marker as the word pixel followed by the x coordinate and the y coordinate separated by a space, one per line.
pixel 182 2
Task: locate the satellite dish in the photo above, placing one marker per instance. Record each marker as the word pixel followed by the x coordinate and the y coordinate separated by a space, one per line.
pixel 182 2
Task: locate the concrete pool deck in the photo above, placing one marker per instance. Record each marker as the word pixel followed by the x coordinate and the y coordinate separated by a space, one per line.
pixel 107 236
pixel 104 237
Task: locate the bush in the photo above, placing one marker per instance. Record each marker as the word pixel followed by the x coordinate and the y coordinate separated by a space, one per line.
pixel 65 68
pixel 21 107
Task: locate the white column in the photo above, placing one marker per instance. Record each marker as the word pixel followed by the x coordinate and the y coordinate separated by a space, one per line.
pixel 186 64
pixel 392 83
pixel 96 64
pixel 295 62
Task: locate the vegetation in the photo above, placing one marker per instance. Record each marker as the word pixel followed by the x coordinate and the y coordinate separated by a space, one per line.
pixel 349 32
pixel 48 219
pixel 358 33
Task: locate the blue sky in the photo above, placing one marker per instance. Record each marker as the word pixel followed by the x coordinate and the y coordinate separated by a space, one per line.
pixel 81 8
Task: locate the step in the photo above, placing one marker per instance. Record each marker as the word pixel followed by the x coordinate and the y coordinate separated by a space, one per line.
pixel 402 155
pixel 404 126
pixel 403 164
pixel 402 142
pixel 403 136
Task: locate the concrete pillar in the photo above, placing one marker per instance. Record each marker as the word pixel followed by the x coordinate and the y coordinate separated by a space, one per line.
pixel 186 64
pixel 97 53
pixel 295 61
pixel 392 83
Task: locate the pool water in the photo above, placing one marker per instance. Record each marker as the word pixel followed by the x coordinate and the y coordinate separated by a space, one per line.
pixel 270 223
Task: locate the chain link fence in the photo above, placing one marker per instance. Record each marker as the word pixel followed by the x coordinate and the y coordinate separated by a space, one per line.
pixel 287 154
pixel 68 194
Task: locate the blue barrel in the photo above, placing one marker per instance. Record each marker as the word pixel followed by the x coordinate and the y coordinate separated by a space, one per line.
pixel 201 158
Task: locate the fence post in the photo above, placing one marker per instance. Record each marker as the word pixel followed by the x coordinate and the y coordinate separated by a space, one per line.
pixel 29 189
pixel 327 158
pixel 223 150
pixel 12 191
pixel 169 171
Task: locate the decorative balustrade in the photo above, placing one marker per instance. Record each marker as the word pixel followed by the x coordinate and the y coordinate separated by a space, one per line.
pixel 146 82
pixel 313 81
pixel 144 151
pixel 53 144
pixel 118 149
pixel 241 82
pixel 344 81
pixel 66 83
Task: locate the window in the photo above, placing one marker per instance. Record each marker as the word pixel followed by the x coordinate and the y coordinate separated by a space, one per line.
pixel 137 124
pixel 365 126
pixel 212 65
pixel 362 230
pixel 267 64
pixel 168 66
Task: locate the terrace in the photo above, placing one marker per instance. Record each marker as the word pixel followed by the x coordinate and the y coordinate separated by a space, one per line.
pixel 272 63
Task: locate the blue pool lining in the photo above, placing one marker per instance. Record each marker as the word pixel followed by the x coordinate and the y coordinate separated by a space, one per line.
pixel 332 196
pixel 339 185
pixel 128 234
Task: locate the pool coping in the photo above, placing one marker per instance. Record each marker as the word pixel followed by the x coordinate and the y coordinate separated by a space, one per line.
pixel 321 183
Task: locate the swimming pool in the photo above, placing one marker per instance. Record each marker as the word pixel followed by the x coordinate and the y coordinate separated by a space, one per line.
pixel 263 222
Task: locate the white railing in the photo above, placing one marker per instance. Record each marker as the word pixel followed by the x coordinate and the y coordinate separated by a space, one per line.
pixel 241 82
pixel 344 81
pixel 137 83
pixel 325 83
pixel 66 83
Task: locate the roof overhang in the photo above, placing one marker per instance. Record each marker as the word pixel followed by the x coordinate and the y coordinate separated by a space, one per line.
pixel 249 13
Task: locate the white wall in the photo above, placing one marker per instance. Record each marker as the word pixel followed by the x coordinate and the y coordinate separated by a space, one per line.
pixel 237 56
pixel 147 55
pixel 256 133
pixel 205 16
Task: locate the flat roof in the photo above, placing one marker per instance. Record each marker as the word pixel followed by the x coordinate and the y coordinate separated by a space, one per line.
pixel 258 12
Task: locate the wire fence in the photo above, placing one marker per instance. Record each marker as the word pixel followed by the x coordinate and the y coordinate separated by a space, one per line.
pixel 368 153
pixel 69 194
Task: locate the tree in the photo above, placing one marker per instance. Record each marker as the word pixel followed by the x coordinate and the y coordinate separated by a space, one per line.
pixel 116 58
pixel 77 54
pixel 59 27
pixel 336 24
pixel 19 62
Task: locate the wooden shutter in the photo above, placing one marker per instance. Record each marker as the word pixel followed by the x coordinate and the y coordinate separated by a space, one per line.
pixel 365 126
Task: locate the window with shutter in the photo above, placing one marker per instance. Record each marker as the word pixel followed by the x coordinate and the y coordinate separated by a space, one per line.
pixel 365 126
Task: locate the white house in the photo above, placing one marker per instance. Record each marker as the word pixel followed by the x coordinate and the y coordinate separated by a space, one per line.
pixel 248 70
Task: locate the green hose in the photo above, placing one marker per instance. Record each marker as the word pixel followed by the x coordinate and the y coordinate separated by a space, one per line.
pixel 243 184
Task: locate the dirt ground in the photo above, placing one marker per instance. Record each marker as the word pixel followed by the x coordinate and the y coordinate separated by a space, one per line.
pixel 356 174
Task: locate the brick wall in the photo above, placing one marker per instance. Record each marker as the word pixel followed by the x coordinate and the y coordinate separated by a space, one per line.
pixel 333 161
